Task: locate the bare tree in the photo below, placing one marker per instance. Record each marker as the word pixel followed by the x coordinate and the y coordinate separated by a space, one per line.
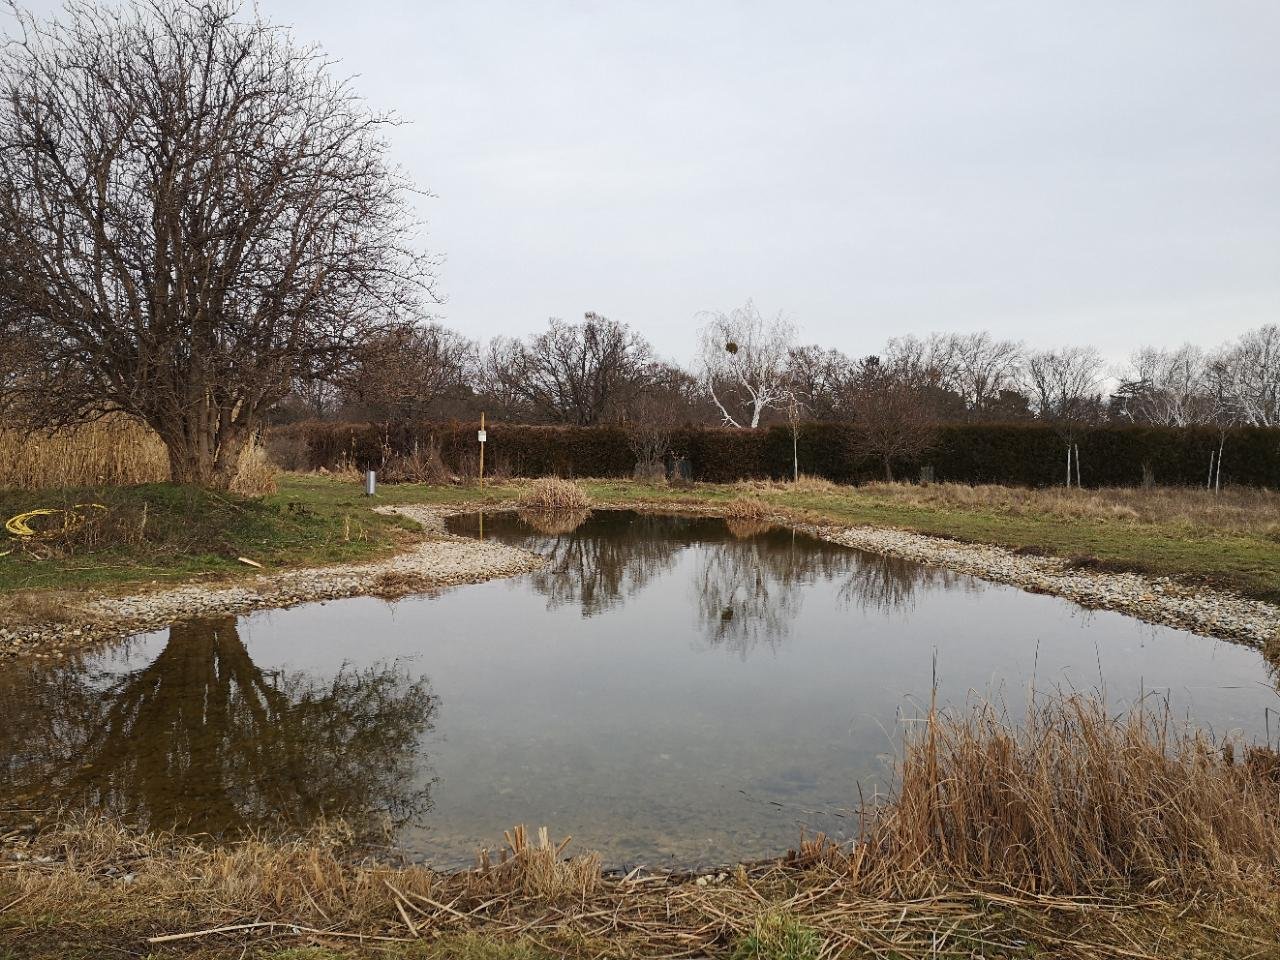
pixel 983 369
pixel 1248 376
pixel 581 373
pixel 677 393
pixel 411 373
pixel 499 380
pixel 815 378
pixel 1167 387
pixel 1063 385
pixel 743 361
pixel 193 215
pixel 892 410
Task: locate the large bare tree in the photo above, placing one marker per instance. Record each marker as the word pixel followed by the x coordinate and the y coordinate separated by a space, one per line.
pixel 1167 387
pixel 194 213
pixel 580 373
pixel 815 378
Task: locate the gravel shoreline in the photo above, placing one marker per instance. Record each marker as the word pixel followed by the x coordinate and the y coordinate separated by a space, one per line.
pixel 438 560
pixel 441 560
pixel 1158 600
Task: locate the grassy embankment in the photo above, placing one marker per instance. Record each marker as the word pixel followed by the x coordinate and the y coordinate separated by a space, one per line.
pixel 158 533
pixel 1073 834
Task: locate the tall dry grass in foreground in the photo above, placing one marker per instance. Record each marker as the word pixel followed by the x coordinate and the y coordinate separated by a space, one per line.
pixel 115 450
pixel 1238 510
pixel 1065 832
pixel 1073 800
pixel 553 495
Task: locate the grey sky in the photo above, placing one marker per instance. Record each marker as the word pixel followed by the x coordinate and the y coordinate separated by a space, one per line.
pixel 1104 172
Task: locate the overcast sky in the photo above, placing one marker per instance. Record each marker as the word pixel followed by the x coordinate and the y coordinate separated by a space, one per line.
pixel 1104 172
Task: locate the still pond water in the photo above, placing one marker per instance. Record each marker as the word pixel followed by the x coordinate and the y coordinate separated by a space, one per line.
pixel 667 690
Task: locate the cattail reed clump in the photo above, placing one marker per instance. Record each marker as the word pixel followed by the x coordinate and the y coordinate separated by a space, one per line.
pixel 747 509
pixel 553 495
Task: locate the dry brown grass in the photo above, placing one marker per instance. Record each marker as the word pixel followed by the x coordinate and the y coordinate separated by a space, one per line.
pixel 806 484
pixel 113 451
pixel 554 495
pixel 1237 510
pixel 423 464
pixel 1079 832
pixel 1076 801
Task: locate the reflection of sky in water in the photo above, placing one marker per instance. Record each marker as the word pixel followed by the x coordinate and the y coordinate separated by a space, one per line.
pixel 662 690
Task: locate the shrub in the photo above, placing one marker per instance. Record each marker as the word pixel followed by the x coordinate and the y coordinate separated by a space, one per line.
pixel 1024 454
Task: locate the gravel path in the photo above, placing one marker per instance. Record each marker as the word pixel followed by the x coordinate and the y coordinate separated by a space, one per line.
pixel 441 559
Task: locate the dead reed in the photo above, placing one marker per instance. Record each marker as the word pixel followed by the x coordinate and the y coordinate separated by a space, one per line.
pixel 748 509
pixel 1235 510
pixel 554 495
pixel 423 464
pixel 1074 801
pixel 115 450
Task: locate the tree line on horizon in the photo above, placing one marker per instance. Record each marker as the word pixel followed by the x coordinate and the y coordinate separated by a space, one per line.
pixel 753 371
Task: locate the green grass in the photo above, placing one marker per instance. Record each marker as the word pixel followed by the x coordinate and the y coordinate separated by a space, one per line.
pixel 779 936
pixel 165 533
pixel 314 520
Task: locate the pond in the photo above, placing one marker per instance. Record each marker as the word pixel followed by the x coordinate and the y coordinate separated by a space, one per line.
pixel 668 690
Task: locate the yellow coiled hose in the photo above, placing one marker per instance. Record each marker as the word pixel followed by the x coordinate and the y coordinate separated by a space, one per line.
pixel 73 518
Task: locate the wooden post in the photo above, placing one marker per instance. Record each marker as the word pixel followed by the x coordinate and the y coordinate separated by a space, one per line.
pixel 482 440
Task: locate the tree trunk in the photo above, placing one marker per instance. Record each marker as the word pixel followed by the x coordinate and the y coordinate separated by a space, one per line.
pixel 189 462
pixel 888 469
pixel 227 463
pixel 200 454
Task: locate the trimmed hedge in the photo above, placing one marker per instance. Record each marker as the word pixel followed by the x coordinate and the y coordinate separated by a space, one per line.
pixel 1021 454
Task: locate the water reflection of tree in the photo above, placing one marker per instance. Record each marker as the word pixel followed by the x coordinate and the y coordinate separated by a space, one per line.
pixel 882 584
pixel 599 564
pixel 747 593
pixel 203 738
pixel 749 588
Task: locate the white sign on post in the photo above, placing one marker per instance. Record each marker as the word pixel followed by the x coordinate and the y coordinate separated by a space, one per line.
pixel 482 436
